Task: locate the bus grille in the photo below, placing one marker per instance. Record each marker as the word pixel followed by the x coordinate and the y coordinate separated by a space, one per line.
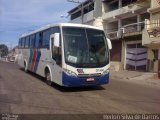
pixel 89 75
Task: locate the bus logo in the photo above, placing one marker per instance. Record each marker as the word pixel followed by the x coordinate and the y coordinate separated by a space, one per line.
pixel 80 71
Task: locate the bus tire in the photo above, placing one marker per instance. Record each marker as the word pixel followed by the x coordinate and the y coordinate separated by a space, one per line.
pixel 48 77
pixel 25 67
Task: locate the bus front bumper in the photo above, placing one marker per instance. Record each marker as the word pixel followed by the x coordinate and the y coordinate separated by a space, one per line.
pixel 72 81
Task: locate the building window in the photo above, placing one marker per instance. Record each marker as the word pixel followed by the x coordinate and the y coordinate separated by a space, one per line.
pixel 127 2
pixel 87 8
pixel 76 15
pixel 113 6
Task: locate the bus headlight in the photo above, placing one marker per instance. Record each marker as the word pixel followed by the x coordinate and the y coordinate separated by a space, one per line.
pixel 70 73
pixel 105 72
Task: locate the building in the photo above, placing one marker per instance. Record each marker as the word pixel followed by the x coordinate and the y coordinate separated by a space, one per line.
pixel 88 12
pixel 151 37
pixel 123 22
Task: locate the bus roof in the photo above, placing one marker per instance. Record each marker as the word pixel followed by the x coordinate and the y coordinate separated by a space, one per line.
pixel 60 24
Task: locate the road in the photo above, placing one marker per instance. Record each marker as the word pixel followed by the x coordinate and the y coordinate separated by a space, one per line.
pixel 22 93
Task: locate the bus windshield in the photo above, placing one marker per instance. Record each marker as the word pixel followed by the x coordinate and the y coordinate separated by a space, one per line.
pixel 85 47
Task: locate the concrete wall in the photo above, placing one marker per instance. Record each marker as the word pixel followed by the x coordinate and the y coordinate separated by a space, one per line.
pixel 92 15
pixel 152 65
pixel 86 18
pixel 154 22
pixel 98 22
pixel 126 10
pixel 111 27
pixel 98 9
pixel 89 22
pixel 154 3
pixel 116 66
pixel 155 9
pixel 147 40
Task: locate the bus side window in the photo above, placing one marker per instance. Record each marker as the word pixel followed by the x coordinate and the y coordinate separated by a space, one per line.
pixel 46 38
pixel 37 40
pixel 19 44
pixel 40 39
pixel 57 56
pixel 27 42
pixel 32 41
pixel 52 48
pixel 23 42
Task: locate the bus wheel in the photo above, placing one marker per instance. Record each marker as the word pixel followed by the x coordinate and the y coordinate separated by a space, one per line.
pixel 48 77
pixel 25 67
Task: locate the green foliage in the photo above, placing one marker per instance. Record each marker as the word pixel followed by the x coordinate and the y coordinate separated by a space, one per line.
pixel 3 50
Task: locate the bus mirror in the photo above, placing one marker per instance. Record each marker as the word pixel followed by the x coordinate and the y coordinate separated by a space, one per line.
pixel 109 44
pixel 56 39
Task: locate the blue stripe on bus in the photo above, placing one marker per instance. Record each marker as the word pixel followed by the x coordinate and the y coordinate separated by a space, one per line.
pixel 30 59
pixel 37 60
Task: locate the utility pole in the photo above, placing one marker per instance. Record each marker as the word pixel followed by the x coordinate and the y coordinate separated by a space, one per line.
pixel 82 7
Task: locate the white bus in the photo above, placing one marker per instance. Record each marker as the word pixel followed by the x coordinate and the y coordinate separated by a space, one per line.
pixel 70 55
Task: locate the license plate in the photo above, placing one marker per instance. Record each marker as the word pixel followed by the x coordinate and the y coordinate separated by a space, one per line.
pixel 90 79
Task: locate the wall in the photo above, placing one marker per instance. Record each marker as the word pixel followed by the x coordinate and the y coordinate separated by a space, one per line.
pixel 92 15
pixel 152 61
pixel 146 40
pixel 98 22
pixel 154 3
pixel 126 11
pixel 98 9
pixel 86 18
pixel 111 27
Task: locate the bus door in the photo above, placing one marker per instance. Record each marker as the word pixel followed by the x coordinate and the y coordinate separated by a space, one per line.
pixel 57 57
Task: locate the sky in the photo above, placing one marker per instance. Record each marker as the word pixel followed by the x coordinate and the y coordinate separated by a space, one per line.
pixel 21 16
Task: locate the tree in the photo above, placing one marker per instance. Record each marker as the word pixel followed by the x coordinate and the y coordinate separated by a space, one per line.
pixel 3 50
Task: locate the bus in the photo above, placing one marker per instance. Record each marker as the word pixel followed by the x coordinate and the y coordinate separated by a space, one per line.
pixel 71 55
